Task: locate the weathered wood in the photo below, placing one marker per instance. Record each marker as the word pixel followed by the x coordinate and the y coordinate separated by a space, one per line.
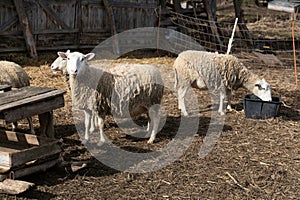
pixel 5 88
pixel 29 101
pixel 53 15
pixel 9 23
pixel 46 124
pixel 23 93
pixel 14 187
pixel 51 22
pixel 241 23
pixel 285 6
pixel 17 111
pixel 111 20
pixel 30 43
pixel 30 169
pixel 210 7
pixel 16 150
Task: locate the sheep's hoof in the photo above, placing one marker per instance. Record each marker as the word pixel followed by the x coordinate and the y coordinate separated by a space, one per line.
pixel 150 141
pixel 185 114
pixel 99 144
pixel 222 113
pixel 84 142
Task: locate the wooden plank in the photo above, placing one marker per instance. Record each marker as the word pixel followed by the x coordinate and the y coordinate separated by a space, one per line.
pixel 285 6
pixel 17 112
pixel 112 24
pixel 17 157
pixel 22 93
pixel 14 187
pixel 56 31
pixel 5 88
pixel 46 7
pixel 30 43
pixel 12 21
pixel 21 138
pixel 46 124
pixel 134 5
pixel 30 169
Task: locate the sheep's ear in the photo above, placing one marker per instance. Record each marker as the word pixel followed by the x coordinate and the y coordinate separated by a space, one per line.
pixel 68 51
pixel 62 54
pixel 89 56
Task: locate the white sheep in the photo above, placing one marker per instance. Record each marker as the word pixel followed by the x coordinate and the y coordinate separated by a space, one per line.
pixel 127 90
pixel 14 75
pixel 202 70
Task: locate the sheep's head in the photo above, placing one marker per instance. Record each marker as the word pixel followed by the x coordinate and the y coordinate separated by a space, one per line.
pixel 76 61
pixel 60 64
pixel 262 90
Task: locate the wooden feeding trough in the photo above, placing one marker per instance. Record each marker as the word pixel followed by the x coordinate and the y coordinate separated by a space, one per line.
pixel 23 154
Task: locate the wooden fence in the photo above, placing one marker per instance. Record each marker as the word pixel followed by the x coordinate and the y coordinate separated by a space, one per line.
pixel 33 25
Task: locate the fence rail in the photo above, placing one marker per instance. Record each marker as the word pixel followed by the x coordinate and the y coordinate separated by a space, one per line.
pixel 68 23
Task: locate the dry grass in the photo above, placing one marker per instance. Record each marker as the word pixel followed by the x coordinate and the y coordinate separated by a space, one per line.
pixel 253 159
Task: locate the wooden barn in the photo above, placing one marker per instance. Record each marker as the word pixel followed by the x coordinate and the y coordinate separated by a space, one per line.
pixel 34 25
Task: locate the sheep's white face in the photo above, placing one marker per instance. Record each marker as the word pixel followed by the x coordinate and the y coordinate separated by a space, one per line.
pixel 263 90
pixel 59 64
pixel 76 61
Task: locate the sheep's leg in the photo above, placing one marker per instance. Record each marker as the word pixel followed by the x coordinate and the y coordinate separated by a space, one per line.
pixel 229 94
pixel 29 119
pixel 87 124
pixel 222 97
pixel 93 123
pixel 155 118
pixel 149 123
pixel 181 94
pixel 100 120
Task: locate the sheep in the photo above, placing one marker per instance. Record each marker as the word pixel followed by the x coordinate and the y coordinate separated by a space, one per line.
pixel 126 90
pixel 60 64
pixel 14 75
pixel 202 70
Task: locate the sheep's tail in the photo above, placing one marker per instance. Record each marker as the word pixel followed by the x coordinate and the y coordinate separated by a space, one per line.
pixel 176 78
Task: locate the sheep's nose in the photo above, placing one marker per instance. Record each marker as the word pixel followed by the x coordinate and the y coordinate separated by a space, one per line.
pixel 74 72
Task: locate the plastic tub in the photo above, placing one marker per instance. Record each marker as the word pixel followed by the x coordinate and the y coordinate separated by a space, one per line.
pixel 255 108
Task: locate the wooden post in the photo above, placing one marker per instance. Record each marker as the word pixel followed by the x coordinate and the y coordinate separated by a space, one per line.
pixel 29 40
pixel 210 7
pixel 242 25
pixel 111 19
pixel 46 124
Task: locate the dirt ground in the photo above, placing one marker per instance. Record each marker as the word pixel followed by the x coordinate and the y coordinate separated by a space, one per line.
pixel 252 159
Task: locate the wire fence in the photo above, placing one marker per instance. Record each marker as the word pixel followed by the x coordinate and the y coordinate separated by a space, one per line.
pixel 265 40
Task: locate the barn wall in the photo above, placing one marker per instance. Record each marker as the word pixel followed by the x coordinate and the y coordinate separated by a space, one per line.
pixel 71 23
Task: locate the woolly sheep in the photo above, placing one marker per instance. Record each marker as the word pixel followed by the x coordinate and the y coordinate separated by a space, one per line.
pixel 60 65
pixel 203 70
pixel 127 90
pixel 14 75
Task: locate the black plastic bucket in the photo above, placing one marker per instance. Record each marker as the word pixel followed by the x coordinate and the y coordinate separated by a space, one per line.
pixel 255 108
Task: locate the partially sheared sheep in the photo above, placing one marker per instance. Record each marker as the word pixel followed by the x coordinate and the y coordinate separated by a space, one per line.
pixel 127 90
pixel 14 75
pixel 203 70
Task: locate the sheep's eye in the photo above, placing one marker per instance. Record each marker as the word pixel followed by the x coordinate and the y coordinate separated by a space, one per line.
pixel 82 59
pixel 259 86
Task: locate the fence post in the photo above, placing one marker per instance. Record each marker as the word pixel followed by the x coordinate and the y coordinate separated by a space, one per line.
pixel 29 40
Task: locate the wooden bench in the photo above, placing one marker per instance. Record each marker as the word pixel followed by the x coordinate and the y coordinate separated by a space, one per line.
pixel 5 88
pixel 29 101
